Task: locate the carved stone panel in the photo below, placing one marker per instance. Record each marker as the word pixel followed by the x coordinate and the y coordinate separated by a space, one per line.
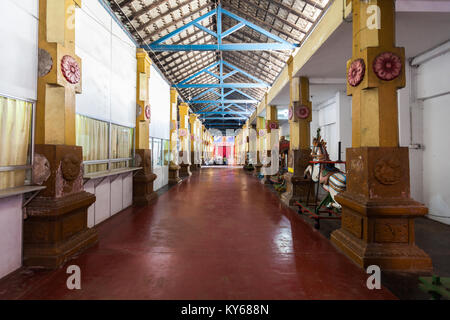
pixel 352 223
pixel 391 230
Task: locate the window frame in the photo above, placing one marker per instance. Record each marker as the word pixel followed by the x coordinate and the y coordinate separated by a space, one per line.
pixel 110 161
pixel 30 154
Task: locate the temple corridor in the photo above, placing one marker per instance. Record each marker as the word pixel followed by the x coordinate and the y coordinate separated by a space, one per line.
pixel 206 238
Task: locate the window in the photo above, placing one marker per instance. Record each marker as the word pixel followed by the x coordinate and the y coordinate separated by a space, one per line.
pixel 121 146
pixel 157 152
pixel 15 142
pixel 106 146
pixel 166 152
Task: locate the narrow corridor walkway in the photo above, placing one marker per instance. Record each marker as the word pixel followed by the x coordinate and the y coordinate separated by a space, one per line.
pixel 218 235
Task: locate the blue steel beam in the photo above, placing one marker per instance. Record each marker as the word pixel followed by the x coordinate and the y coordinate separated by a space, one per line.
pixel 221 101
pixel 225 112
pixel 225 119
pixel 218 85
pixel 219 47
pixel 279 44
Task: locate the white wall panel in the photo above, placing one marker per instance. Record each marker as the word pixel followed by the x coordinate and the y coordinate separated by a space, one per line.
pixel 103 202
pixel 160 105
pixel 433 77
pixel 436 166
pixel 89 186
pixel 109 66
pixel 116 194
pixel 10 234
pixel 18 48
pixel 127 197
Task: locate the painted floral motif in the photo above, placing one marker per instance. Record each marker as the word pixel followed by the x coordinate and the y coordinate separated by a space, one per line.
pixel 302 112
pixel 356 72
pixel 148 112
pixel 272 125
pixel 70 69
pixel 387 66
pixel 182 133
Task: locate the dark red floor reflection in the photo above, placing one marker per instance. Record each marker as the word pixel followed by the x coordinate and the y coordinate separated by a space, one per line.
pixel 218 235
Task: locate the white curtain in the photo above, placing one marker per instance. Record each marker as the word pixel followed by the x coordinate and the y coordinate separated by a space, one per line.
pixel 15 137
pixel 93 136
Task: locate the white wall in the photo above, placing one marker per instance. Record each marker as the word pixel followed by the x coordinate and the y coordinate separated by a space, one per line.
pixel 334 118
pixel 108 66
pixel 18 48
pixel 18 78
pixel 432 83
pixel 159 96
pixel 113 193
pixel 109 93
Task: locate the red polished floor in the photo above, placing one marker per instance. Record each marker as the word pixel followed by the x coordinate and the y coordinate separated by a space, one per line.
pixel 218 235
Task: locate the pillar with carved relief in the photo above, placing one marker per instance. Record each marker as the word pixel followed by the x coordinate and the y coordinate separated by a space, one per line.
pixel 185 144
pixel 300 116
pixel 271 140
pixel 56 226
pixel 377 209
pixel 174 167
pixel 143 193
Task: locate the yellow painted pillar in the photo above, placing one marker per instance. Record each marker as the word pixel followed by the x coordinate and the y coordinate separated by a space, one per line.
pixel 57 84
pixel 193 121
pixel 270 140
pixel 142 98
pixel 377 210
pixel 174 168
pixel 260 136
pixel 63 205
pixel 185 150
pixel 143 193
pixel 300 116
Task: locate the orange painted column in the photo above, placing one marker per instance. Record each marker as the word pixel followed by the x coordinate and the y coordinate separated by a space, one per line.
pixel 377 210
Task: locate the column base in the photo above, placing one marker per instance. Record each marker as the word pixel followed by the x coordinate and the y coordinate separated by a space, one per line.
pixel 377 212
pixel 297 189
pixel 390 256
pixel 257 170
pixel 174 175
pixel 143 193
pixel 56 230
pixel 185 170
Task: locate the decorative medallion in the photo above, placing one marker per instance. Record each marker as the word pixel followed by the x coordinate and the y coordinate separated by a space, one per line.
pixel 138 110
pixel 148 112
pixel 356 72
pixel 262 132
pixel 70 167
pixel 388 171
pixel 70 69
pixel 387 66
pixel 182 132
pixel 272 125
pixel 290 113
pixel 302 112
pixel 41 169
pixel 45 62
